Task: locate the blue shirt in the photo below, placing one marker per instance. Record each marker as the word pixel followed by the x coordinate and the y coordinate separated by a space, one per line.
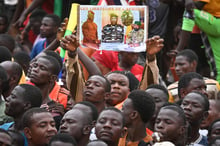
pixel 39 47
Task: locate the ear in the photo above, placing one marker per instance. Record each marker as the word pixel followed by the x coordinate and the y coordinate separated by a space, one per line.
pixel 182 93
pixel 194 64
pixel 182 130
pixel 123 131
pixel 53 78
pixel 107 95
pixel 133 115
pixel 205 115
pixel 27 133
pixel 27 106
pixel 87 129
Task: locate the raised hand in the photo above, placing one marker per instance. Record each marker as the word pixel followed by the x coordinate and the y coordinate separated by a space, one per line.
pixel 69 42
pixel 154 45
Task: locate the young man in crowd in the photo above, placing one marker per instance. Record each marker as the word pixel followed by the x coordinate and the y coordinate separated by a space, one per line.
pixel 110 126
pixel 214 130
pixel 38 126
pixel 62 139
pixel 137 109
pixel 195 106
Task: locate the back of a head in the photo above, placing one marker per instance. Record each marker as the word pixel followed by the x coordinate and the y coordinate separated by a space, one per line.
pixel 143 103
pixel 159 87
pixel 55 18
pixel 18 139
pixel 5 54
pixel 3 80
pixel 38 14
pixel 185 80
pixel 23 59
pixel 97 143
pixel 64 138
pixel 7 41
pixel 27 117
pixel 189 54
pixel 32 94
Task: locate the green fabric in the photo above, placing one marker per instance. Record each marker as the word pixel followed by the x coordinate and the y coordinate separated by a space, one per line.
pixel 188 24
pixel 94 2
pixel 58 7
pixel 211 26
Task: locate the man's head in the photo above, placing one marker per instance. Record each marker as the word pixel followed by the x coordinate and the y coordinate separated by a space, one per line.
pixel 77 124
pixel 14 71
pixel 44 70
pixel 7 41
pixel 171 124
pixel 49 25
pixel 113 19
pixel 191 82
pixel 160 95
pixel 35 20
pixel 22 98
pixel 18 138
pixel 91 15
pixel 3 80
pixel 136 26
pixel 88 108
pixel 214 130
pixel 5 138
pixel 96 89
pixel 128 59
pixel 62 139
pixel 23 59
pixel 139 106
pixel 38 126
pixel 5 54
pixel 110 126
pixel 119 87
pixel 97 143
pixel 186 61
pixel 214 113
pixel 195 106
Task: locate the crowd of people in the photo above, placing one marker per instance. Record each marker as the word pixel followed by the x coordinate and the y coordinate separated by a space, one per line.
pixel 166 96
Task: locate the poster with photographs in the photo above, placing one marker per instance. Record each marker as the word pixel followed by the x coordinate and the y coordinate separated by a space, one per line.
pixel 118 28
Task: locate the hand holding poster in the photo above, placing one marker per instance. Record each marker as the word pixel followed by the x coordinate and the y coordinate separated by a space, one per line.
pixel 117 28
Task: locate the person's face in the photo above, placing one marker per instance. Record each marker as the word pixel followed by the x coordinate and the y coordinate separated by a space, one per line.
pixel 114 20
pixel 47 28
pixel 183 66
pixel 193 106
pixel 60 143
pixel 91 16
pixel 73 123
pixel 3 25
pixel 5 139
pixel 160 99
pixel 194 85
pixel 15 104
pixel 127 110
pixel 169 125
pixel 109 127
pixel 215 132
pixel 42 128
pixel 213 114
pixel 119 88
pixel 41 71
pixel 129 58
pixel 35 25
pixel 94 90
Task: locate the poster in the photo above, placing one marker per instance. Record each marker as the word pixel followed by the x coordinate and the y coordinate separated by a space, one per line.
pixel 118 28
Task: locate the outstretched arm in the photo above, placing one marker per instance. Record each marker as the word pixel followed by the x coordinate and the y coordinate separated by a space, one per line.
pixel 151 71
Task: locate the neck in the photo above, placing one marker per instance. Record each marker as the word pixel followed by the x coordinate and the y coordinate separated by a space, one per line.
pixel 194 132
pixel 137 131
pixel 18 123
pixel 83 141
pixel 45 92
pixel 100 106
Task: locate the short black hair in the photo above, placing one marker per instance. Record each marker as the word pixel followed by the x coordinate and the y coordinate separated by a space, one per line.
pixel 214 140
pixel 117 111
pixel 38 14
pixel 160 87
pixel 4 80
pixel 5 54
pixel 63 137
pixel 189 54
pixel 55 64
pixel 32 94
pixel 55 18
pixel 211 126
pixel 205 99
pixel 22 58
pixel 7 41
pixel 185 80
pixel 27 117
pixel 55 55
pixel 93 108
pixel 107 83
pixel 178 109
pixel 4 16
pixel 143 103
